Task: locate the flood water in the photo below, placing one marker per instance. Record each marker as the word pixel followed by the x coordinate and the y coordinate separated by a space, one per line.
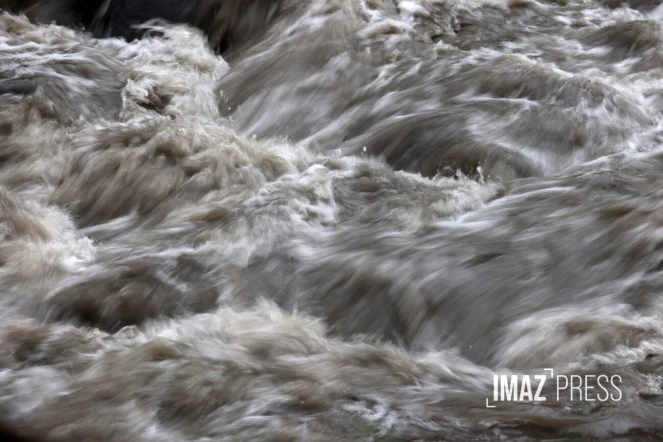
pixel 334 220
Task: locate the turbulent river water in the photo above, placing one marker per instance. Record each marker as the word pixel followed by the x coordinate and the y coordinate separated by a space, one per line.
pixel 341 228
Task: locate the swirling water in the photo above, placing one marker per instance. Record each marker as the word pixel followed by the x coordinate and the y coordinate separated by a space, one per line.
pixel 341 228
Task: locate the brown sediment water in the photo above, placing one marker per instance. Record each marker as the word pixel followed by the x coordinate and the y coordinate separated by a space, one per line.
pixel 333 220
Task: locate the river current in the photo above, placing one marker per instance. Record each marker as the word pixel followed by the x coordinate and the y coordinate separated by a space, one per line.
pixel 339 220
